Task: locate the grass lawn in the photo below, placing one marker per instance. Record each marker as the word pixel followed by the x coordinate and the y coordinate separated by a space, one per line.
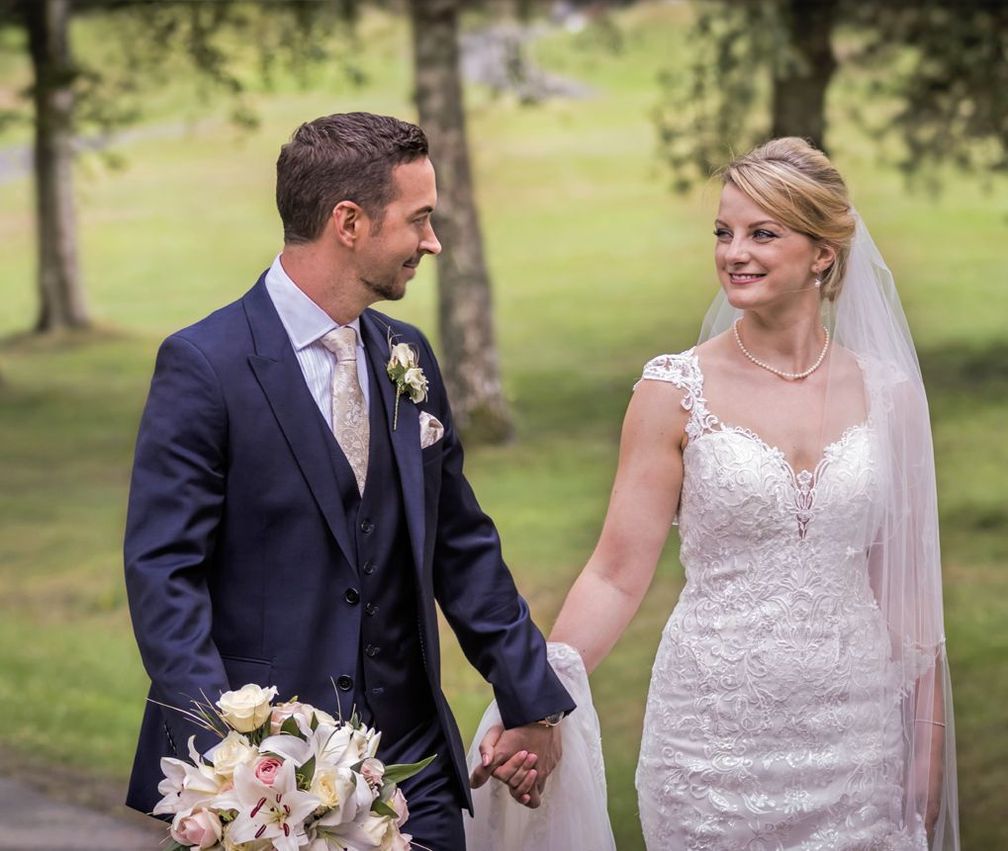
pixel 596 269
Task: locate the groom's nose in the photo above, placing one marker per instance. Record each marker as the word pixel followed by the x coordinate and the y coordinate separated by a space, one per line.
pixel 430 243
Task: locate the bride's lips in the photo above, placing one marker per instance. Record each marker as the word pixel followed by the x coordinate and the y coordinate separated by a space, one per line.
pixel 743 278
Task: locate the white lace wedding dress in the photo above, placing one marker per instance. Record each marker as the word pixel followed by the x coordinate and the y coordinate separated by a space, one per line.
pixel 772 720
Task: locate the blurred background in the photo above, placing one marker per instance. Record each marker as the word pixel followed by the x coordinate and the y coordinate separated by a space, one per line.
pixel 574 143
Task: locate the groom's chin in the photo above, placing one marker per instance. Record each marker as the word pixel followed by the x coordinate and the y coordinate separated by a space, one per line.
pixel 389 292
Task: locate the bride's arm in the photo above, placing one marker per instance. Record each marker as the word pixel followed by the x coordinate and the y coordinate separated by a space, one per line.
pixel 643 503
pixel 609 590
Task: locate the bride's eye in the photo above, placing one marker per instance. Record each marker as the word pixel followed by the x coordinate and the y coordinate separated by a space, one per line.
pixel 722 233
pixel 764 234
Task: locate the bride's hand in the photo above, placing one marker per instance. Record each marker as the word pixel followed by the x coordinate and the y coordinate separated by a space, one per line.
pixel 522 758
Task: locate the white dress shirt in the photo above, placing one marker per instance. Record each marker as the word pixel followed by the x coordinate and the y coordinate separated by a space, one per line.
pixel 306 323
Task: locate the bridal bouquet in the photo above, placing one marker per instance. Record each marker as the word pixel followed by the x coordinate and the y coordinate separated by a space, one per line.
pixel 284 777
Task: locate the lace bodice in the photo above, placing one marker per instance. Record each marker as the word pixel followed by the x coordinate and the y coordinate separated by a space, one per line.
pixel 742 490
pixel 772 716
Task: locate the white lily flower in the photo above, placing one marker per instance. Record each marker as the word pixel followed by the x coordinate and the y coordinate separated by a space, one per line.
pixel 332 747
pixel 274 812
pixel 184 788
pixel 367 831
pixel 291 748
pixel 336 747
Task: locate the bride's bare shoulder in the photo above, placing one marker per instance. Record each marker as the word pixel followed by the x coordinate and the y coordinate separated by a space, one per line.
pixel 845 368
pixel 717 347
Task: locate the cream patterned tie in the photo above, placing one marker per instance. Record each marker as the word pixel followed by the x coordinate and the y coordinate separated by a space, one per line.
pixel 349 412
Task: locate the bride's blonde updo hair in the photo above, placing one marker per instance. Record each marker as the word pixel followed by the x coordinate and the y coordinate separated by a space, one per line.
pixel 798 184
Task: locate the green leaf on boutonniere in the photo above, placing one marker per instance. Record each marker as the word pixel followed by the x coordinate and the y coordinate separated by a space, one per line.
pixel 404 369
pixel 290 726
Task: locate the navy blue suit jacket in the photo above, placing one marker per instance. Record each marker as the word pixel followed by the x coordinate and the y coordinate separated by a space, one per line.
pixel 238 551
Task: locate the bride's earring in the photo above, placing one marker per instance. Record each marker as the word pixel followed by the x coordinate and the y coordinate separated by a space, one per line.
pixel 818 279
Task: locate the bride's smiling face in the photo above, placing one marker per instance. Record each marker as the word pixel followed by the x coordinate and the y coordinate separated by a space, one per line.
pixel 759 260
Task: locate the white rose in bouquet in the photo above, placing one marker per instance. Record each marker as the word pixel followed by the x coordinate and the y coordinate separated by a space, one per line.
pixel 233 750
pixel 324 717
pixel 381 832
pixel 344 791
pixel 248 708
pixel 323 788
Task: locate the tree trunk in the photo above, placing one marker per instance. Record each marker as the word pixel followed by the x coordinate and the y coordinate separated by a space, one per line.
pixel 802 77
pixel 471 366
pixel 61 297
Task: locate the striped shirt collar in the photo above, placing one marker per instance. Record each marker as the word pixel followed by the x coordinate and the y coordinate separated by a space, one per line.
pixel 304 321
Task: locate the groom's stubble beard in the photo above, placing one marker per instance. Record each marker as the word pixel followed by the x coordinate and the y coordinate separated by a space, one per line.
pixel 385 290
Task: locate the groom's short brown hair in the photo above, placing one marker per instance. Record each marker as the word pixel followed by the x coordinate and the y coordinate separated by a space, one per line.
pixel 344 157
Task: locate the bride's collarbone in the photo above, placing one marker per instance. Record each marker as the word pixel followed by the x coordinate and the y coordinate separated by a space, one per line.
pixel 797 421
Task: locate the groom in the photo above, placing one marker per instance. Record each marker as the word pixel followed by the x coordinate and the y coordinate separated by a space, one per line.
pixel 292 522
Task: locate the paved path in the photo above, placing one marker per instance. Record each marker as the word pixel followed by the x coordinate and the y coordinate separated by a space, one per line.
pixel 30 821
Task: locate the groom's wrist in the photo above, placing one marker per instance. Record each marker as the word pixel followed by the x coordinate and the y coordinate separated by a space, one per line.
pixel 551 720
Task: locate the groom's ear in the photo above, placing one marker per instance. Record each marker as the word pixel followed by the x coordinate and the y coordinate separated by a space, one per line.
pixel 347 221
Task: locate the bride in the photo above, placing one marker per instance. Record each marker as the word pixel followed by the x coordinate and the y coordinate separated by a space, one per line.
pixel 800 695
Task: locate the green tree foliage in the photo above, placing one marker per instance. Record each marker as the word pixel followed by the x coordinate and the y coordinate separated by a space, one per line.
pixel 70 100
pixel 216 38
pixel 933 77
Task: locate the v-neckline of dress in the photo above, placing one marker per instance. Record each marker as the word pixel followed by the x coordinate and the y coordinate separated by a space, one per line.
pixel 714 423
pixel 804 481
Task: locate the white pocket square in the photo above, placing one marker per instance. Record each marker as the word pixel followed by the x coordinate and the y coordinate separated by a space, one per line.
pixel 431 430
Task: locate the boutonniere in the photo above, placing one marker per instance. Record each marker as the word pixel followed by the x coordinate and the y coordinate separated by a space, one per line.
pixel 404 370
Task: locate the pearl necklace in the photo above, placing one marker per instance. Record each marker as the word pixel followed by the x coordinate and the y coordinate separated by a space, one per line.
pixel 789 376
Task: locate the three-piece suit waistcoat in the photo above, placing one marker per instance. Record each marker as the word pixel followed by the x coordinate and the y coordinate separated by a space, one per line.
pixel 386 590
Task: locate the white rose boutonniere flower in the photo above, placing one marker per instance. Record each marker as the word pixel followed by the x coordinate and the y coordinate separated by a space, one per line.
pixel 404 369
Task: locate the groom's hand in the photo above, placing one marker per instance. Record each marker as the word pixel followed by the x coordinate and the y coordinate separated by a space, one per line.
pixel 522 757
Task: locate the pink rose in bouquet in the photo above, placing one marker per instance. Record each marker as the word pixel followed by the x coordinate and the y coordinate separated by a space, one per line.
pixel 281 778
pixel 266 770
pixel 201 829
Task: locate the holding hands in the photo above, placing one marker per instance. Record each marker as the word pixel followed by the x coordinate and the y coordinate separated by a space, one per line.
pixel 522 758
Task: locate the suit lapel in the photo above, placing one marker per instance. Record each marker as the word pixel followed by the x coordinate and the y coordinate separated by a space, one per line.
pixel 276 368
pixel 405 438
